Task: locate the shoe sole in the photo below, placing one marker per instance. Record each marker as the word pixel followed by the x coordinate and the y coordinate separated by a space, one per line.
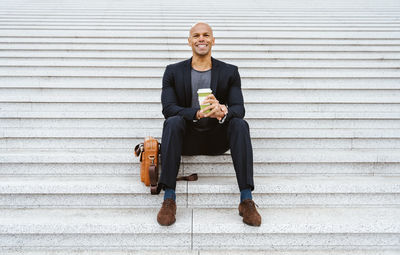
pixel 166 224
pixel 251 224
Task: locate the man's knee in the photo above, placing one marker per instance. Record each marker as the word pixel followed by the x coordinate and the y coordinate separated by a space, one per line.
pixel 174 122
pixel 238 125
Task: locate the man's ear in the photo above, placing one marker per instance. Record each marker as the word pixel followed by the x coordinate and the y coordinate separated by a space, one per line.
pixel 213 41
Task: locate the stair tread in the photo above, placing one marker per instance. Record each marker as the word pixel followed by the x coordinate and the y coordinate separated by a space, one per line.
pixel 205 184
pixel 260 155
pixel 205 221
pixel 157 115
pixel 41 132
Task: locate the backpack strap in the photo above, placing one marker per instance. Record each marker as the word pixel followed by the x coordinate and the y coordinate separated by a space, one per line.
pixel 155 188
pixel 139 150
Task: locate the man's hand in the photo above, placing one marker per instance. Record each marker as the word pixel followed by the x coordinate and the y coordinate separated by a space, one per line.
pixel 217 110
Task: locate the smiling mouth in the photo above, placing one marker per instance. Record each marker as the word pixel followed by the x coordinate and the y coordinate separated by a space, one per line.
pixel 201 46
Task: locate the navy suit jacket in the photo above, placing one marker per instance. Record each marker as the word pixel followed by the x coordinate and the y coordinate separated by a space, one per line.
pixel 176 95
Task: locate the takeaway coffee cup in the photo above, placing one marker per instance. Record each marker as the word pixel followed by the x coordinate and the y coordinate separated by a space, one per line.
pixel 203 93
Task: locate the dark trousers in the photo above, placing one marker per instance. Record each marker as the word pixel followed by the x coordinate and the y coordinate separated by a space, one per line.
pixel 182 137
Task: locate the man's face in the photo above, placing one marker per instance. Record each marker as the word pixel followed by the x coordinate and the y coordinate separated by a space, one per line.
pixel 201 39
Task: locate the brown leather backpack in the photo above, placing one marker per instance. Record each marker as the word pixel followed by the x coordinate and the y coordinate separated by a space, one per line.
pixel 149 155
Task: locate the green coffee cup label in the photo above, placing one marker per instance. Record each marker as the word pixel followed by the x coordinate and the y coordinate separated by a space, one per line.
pixel 203 93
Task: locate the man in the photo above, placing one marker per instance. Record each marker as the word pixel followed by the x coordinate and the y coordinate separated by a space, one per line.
pixel 190 131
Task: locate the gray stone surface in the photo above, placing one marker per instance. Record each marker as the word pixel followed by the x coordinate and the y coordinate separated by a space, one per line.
pixel 272 133
pixel 132 251
pixel 300 220
pixel 257 143
pixel 206 169
pixel 209 192
pixel 102 107
pixel 80 85
pixel 91 221
pixel 308 228
pixel 259 156
pixel 77 185
pixel 153 95
pixel 301 227
pixel 297 191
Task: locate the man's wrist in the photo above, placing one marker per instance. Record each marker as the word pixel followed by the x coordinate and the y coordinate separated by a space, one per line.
pixel 223 119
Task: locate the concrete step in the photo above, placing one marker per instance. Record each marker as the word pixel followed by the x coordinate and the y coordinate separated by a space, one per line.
pixel 179 27
pixel 269 133
pixel 287 168
pixel 133 251
pixel 107 156
pixel 257 143
pixel 165 33
pixel 282 228
pixel 178 12
pixel 129 251
pixel 143 119
pixel 177 20
pixel 179 8
pixel 342 7
pixel 84 228
pixel 85 169
pixel 297 191
pixel 155 83
pixel 361 126
pixel 173 47
pixel 280 20
pixel 161 63
pixel 153 95
pixel 207 192
pixel 186 54
pixel 217 25
pixel 81 191
pixel 207 169
pixel 347 227
pixel 220 40
pixel 53 108
pixel 157 72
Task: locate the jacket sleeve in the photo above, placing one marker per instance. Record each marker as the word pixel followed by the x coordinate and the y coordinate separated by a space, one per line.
pixel 169 100
pixel 235 98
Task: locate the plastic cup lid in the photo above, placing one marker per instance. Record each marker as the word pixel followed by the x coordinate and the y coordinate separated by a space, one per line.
pixel 204 91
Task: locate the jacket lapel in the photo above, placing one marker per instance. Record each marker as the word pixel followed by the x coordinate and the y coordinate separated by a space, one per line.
pixel 214 76
pixel 187 76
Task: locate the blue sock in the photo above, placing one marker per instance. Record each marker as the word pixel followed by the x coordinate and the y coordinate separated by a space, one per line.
pixel 169 193
pixel 245 194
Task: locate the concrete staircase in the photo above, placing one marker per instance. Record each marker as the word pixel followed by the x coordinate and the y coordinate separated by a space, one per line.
pixel 80 85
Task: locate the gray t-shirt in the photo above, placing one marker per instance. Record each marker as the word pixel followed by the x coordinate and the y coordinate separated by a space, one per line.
pixel 200 80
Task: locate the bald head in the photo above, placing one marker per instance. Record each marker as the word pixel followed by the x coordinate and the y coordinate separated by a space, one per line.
pixel 202 25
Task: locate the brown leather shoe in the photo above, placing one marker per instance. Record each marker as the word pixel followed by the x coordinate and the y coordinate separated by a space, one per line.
pixel 166 215
pixel 247 209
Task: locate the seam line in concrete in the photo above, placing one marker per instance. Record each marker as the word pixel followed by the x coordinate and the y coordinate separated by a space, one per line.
pixel 191 235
